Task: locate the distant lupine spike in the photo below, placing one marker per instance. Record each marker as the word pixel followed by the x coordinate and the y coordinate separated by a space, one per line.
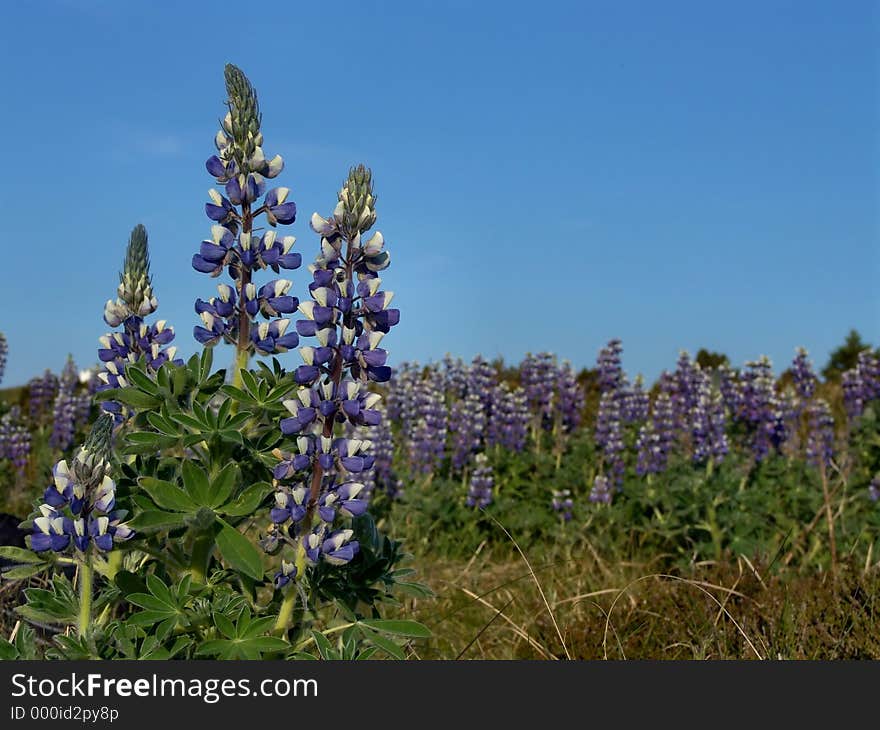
pixel 509 422
pixel 570 397
pixel 64 408
pixel 137 340
pixel 400 404
pixel 349 315
pixel 4 353
pixel 455 376
pixel 563 504
pixel 820 441
pixel 234 245
pixel 538 378
pixel 804 378
pixel 481 379
pixel 41 394
pixel 874 488
pixel 656 438
pixel 687 379
pixel 761 409
pixel 853 393
pixel 609 366
pixel 635 403
pixel 861 384
pixel 79 504
pixel 15 440
pixel 707 422
pixel 481 484
pixel 728 384
pixel 608 435
pixel 602 490
pixel 427 437
pixel 467 423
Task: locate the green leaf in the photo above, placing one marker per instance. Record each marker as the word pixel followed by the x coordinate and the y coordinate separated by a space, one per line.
pixel 137 398
pixel 265 644
pixel 412 629
pixel 162 424
pixel 166 495
pixel 248 501
pixel 156 520
pixel 140 442
pixel 24 571
pixel 19 555
pixel 224 625
pixel 387 645
pixel 196 483
pixel 207 360
pixel 325 648
pixel 138 377
pixel 223 483
pixel 239 552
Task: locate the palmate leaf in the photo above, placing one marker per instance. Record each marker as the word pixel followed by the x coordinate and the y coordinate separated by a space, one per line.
pixel 245 639
pixel 239 552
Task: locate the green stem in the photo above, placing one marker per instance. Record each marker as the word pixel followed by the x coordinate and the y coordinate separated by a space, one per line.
pixel 85 595
pixel 242 359
pixel 202 549
pixel 283 621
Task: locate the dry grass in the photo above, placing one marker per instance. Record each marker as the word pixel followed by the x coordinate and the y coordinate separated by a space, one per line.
pixel 494 607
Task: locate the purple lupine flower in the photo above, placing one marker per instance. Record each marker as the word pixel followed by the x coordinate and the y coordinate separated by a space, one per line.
pixel 761 409
pixel 79 503
pixel 15 440
pixel 656 438
pixel 401 406
pixel 635 403
pixel 349 315
pixel 481 380
pixel 537 378
pixel 242 168
pixel 455 376
pixel 820 439
pixel 861 384
pixel 41 394
pixel 510 417
pixel 609 366
pixel 137 341
pixel 803 377
pixel 427 442
pixel 4 352
pixel 707 422
pixel 570 397
pixel 601 491
pixel 608 435
pixel 874 488
pixel 563 504
pixel 729 386
pixel 467 423
pixel 64 408
pixel 481 483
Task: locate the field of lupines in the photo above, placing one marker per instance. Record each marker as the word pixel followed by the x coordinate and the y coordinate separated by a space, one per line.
pixel 289 493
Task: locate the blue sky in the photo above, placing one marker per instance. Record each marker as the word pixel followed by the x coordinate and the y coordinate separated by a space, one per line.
pixel 550 175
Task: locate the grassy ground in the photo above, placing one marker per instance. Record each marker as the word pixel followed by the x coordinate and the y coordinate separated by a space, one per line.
pixel 496 606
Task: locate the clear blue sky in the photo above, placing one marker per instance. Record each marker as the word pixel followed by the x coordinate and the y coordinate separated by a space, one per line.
pixel 550 175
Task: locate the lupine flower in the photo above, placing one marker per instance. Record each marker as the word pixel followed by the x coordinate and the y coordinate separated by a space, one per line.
pixel 609 365
pixel 563 504
pixel 455 376
pixel 707 422
pixel 861 384
pixel 467 422
pixel 601 491
pixel 427 445
pixel 137 340
pixel 874 489
pixel 509 422
pixel 481 380
pixel 820 441
pixel 41 394
pixel 15 440
pixel 481 483
pixel 4 352
pixel 348 314
pixel 804 378
pixel 64 409
pixel 761 409
pixel 635 402
pixel 570 397
pixel 79 503
pixel 608 435
pixel 537 377
pixel 656 438
pixel 241 166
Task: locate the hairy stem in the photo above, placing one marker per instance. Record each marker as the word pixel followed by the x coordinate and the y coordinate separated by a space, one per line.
pixel 85 595
pixel 829 516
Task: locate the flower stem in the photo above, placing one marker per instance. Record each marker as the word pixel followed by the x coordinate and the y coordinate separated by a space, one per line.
pixel 201 553
pixel 286 612
pixel 85 595
pixel 829 515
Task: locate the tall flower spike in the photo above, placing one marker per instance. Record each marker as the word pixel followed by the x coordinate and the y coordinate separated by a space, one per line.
pixel 137 340
pixel 348 314
pixel 4 351
pixel 235 247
